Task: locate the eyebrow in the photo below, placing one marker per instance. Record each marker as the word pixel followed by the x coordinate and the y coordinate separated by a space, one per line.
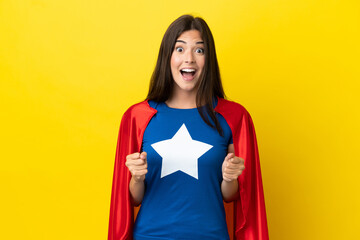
pixel 182 41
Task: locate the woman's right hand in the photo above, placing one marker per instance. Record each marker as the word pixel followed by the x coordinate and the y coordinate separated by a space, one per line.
pixel 137 165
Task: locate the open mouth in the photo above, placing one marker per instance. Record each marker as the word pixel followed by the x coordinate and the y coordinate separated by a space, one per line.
pixel 188 72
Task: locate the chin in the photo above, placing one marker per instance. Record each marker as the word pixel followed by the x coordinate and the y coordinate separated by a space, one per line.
pixel 189 87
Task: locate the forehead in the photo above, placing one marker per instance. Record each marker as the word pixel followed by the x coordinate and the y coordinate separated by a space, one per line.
pixel 190 35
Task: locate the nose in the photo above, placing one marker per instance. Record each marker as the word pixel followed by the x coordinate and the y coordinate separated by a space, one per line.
pixel 189 57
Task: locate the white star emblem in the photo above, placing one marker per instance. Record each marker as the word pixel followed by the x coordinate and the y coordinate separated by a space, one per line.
pixel 180 153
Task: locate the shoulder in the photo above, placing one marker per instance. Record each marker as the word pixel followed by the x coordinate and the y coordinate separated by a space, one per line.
pixel 230 107
pixel 139 108
pixel 138 115
pixel 236 116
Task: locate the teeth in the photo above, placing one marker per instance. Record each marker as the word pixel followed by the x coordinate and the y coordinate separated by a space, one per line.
pixel 188 70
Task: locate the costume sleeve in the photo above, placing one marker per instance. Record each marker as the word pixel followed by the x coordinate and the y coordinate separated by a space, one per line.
pixel 121 209
pixel 250 221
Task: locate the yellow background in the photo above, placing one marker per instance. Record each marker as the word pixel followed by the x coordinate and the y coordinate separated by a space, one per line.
pixel 70 68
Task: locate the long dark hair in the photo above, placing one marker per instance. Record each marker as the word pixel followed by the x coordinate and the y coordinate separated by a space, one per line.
pixel 209 84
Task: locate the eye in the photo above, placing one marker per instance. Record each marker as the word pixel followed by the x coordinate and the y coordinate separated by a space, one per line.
pixel 199 50
pixel 179 49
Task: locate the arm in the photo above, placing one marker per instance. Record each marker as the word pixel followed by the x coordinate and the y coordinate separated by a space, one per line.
pixel 137 166
pixel 137 190
pixel 231 169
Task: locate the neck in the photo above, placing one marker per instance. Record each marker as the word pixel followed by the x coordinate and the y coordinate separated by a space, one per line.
pixel 184 100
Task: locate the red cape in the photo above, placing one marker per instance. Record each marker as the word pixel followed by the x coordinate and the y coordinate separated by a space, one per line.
pixel 246 216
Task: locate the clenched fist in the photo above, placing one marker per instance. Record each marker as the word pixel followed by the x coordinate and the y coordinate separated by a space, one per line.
pixel 137 165
pixel 232 167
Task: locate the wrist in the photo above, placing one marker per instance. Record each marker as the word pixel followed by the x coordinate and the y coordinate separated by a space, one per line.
pixel 137 180
pixel 231 182
pixel 137 189
pixel 229 190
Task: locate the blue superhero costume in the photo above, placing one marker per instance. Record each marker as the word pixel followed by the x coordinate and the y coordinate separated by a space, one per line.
pixel 183 195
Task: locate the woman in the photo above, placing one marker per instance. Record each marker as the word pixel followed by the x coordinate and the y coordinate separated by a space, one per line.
pixel 183 151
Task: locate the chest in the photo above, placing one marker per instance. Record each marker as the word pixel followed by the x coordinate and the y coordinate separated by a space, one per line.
pixel 180 142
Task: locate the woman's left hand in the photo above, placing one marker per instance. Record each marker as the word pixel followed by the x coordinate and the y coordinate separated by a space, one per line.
pixel 232 167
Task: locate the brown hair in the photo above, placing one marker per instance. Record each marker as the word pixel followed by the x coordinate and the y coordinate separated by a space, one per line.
pixel 209 84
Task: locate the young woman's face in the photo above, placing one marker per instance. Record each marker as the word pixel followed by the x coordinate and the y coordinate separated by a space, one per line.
pixel 187 61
